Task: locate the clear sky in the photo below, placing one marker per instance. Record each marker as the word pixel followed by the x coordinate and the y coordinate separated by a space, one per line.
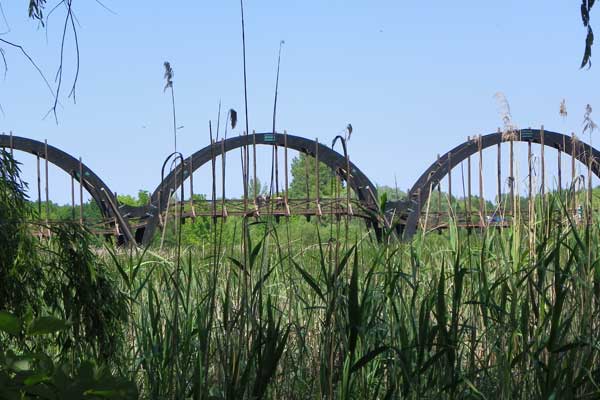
pixel 413 78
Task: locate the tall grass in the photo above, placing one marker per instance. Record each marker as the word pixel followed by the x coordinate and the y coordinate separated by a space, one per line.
pixel 447 316
pixel 509 314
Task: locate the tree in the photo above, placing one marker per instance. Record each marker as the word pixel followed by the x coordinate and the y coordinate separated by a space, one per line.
pixel 392 194
pixel 303 167
pixel 142 199
pixel 261 189
pixel 62 276
pixel 194 231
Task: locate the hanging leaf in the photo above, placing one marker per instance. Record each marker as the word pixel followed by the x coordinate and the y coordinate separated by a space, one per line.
pixel 586 7
pixel 587 55
pixel 588 124
pixel 585 14
pixel 36 10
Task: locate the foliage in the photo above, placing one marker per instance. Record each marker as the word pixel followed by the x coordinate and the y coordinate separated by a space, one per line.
pixel 455 315
pixel 305 310
pixel 392 194
pixel 60 275
pixel 83 291
pixel 34 375
pixel 304 178
pixel 142 199
pixel 20 271
pixel 261 189
pixel 66 212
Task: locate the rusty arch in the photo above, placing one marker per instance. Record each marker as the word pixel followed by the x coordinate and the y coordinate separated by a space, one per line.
pixel 362 186
pixel 420 191
pixel 92 183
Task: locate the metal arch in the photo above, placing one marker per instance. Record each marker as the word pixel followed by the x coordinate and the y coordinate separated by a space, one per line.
pixel 433 175
pixel 362 186
pixel 99 190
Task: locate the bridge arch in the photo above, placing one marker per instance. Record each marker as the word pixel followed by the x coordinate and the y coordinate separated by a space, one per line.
pixel 420 191
pixel 92 183
pixel 360 184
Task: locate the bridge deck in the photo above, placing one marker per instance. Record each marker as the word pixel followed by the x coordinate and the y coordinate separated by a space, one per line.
pixel 278 207
pixel 275 207
pixel 435 220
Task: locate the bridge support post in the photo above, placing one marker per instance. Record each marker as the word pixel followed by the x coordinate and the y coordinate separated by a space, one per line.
pixel 73 196
pixel 80 192
pixel 530 200
pixel 439 200
pixel 481 199
pixel 543 168
pixel 512 176
pixel 469 194
pixel 255 194
pixel 499 181
pixel 559 161
pixel 47 189
pixel 191 173
pixel 285 156
pixel 39 186
pixel 573 189
pixel 223 164
pixel 213 193
pixel 449 183
pixel 589 185
pixel 349 210
pixel 318 180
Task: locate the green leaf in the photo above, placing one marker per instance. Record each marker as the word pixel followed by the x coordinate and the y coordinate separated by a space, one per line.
pixel 367 358
pixel 46 325
pixel 310 280
pixel 383 201
pixel 9 323
pixel 102 393
pixel 35 379
pixel 19 363
pixel 354 311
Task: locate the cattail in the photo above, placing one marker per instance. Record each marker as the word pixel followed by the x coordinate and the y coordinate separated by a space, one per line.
pixel 349 129
pixel 168 75
pixel 588 123
pixel 563 109
pixel 169 84
pixel 233 116
pixel 509 127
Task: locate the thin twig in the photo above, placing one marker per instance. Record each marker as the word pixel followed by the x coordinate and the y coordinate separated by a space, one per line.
pixel 5 20
pixel 218 120
pixel 244 56
pixel 30 61
pixel 274 149
pixel 77 63
pixel 59 72
pixel 106 7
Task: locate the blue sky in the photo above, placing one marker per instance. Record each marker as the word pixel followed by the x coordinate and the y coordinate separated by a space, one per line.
pixel 413 78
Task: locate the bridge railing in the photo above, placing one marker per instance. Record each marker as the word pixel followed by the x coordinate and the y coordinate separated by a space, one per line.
pixel 437 220
pixel 276 206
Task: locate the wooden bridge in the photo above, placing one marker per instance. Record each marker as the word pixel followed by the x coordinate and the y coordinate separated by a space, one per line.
pixel 407 216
